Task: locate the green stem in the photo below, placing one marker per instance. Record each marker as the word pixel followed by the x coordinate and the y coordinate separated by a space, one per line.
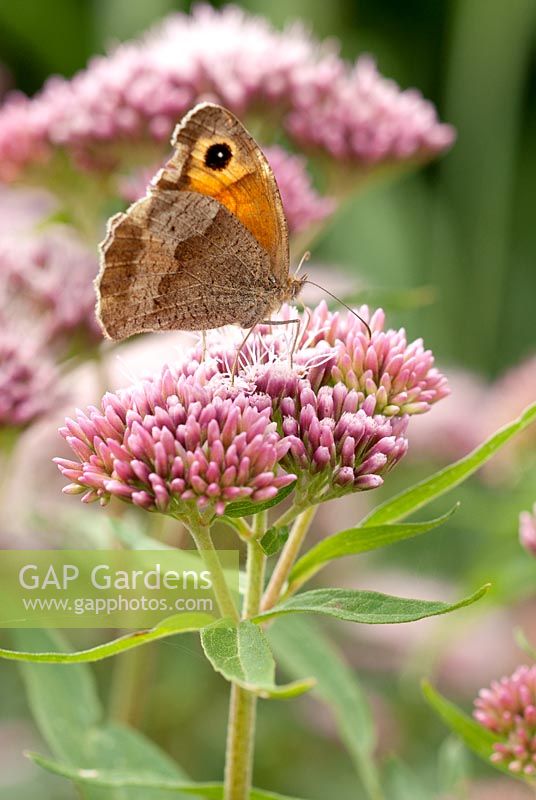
pixel 239 525
pixel 243 705
pixel 209 554
pixel 288 516
pixel 287 558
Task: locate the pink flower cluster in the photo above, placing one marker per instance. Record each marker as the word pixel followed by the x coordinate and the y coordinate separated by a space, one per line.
pixel 395 377
pixel 508 708
pixel 339 445
pixel 141 89
pixel 400 377
pixel 169 441
pixel 191 433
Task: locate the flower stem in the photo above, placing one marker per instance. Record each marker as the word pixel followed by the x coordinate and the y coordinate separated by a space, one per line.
pixel 287 558
pixel 209 554
pixel 243 705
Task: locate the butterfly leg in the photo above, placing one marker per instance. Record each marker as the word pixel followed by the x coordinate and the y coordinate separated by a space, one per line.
pixel 237 357
pixel 298 334
pixel 286 322
pixel 204 342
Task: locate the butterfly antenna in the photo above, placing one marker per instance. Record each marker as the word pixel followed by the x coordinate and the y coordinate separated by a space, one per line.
pixel 306 256
pixel 338 299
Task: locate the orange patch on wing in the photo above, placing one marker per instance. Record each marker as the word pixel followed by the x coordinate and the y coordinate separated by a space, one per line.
pixel 238 187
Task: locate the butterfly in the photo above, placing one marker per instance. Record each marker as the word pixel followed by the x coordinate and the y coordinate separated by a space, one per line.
pixel 207 246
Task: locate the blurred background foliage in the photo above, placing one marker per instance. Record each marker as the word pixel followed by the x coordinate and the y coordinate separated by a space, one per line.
pixel 464 226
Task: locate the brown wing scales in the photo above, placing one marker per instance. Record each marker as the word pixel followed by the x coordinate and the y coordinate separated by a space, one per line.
pixel 207 246
pixel 206 272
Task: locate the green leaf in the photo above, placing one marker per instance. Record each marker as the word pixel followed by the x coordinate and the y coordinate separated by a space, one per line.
pixel 113 746
pixel 244 508
pixel 70 718
pixel 363 606
pixel 241 653
pixel 477 738
pixel 358 540
pixel 429 489
pixel 63 699
pixel 178 623
pixel 302 649
pixel 144 780
pixel 274 539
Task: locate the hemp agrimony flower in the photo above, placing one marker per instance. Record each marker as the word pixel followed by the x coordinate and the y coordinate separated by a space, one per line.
pixel 193 434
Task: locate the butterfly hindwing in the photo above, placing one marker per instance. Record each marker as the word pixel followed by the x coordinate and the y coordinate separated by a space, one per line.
pixel 180 262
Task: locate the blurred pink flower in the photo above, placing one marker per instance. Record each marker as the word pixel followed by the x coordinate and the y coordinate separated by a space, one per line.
pixel 454 430
pixel 52 273
pixel 527 530
pixel 364 117
pixel 508 709
pixel 141 89
pixel 28 377
pixel 302 203
pixel 507 398
pixel 46 296
pixel 47 272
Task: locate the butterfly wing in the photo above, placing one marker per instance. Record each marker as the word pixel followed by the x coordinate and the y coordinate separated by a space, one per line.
pixel 241 180
pixel 207 246
pixel 180 261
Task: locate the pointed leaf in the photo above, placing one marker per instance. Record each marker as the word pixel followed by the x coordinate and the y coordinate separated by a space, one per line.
pixel 429 489
pixel 303 649
pixel 144 780
pixel 178 623
pixel 245 508
pixel 71 720
pixel 364 606
pixel 358 540
pixel 241 653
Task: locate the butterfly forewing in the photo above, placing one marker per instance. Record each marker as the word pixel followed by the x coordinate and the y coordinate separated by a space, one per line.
pixel 207 246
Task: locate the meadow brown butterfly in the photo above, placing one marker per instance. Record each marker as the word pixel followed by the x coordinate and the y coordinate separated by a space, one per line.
pixel 207 245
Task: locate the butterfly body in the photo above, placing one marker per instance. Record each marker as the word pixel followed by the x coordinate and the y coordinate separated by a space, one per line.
pixel 208 244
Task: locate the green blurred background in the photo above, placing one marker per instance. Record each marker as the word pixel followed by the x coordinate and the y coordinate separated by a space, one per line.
pixel 465 226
